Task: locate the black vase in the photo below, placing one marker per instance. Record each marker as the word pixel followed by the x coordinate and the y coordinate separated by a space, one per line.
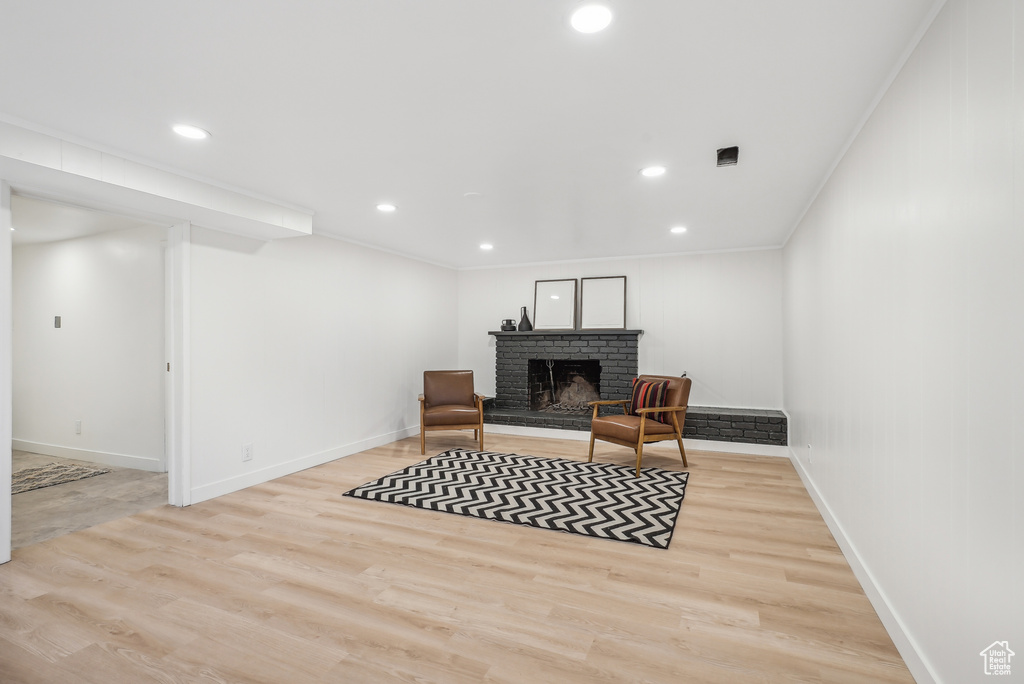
pixel 524 322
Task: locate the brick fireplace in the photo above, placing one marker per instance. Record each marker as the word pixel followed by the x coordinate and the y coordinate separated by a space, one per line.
pixel 603 359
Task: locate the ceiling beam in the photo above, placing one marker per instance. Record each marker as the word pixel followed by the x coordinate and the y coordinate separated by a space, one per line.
pixel 47 166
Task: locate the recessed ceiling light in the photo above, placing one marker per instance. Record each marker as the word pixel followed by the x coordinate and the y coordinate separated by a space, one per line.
pixel 386 208
pixel 190 132
pixel 678 229
pixel 652 171
pixel 591 18
pixel 486 246
pixel 554 296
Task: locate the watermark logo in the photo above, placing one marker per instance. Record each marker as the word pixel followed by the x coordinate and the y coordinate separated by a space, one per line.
pixel 997 658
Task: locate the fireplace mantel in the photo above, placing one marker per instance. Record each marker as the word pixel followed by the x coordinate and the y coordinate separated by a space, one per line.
pixel 558 333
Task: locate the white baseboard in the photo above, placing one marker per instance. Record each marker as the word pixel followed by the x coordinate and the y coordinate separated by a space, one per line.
pixel 695 444
pixel 255 477
pixel 923 673
pixel 152 465
pixel 737 448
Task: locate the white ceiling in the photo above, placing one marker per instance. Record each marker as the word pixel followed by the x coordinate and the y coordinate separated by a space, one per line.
pixel 338 106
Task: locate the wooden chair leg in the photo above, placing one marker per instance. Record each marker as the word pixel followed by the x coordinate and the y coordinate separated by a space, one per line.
pixel 593 417
pixel 682 451
pixel 423 439
pixel 640 444
pixel 679 436
pixel 480 413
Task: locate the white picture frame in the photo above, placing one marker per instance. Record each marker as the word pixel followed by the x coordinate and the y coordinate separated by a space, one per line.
pixel 603 303
pixel 554 304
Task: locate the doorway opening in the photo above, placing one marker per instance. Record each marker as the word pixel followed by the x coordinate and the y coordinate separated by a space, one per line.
pixel 89 350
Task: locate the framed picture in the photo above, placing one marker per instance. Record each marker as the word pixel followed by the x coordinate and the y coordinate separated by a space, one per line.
pixel 603 303
pixel 554 304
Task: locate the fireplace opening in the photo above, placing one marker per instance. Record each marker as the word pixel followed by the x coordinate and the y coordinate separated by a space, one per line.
pixel 564 386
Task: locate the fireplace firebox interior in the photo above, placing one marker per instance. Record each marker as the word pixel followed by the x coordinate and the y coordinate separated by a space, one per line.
pixel 564 386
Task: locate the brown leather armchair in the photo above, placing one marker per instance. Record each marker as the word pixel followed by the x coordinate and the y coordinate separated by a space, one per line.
pixel 448 402
pixel 635 431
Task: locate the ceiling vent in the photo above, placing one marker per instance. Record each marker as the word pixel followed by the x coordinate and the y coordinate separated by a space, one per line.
pixel 728 156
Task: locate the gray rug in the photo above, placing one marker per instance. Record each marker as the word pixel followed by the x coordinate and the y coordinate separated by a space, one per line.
pixel 593 499
pixel 51 474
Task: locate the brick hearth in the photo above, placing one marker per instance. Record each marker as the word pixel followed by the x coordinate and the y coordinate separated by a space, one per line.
pixel 616 350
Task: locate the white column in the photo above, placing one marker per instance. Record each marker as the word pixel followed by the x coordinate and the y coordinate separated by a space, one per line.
pixel 178 405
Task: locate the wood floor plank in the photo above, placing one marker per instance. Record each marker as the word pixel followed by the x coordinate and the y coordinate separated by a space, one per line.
pixel 25 667
pixel 292 581
pixel 94 665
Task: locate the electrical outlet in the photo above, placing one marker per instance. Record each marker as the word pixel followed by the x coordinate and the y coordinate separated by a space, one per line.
pixel 247 452
pixel 78 427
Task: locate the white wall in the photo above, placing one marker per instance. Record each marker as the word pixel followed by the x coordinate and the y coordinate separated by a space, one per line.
pixel 309 349
pixel 5 371
pixel 105 365
pixel 718 317
pixel 904 344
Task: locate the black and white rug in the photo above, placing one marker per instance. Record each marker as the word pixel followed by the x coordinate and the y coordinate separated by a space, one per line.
pixel 27 479
pixel 594 499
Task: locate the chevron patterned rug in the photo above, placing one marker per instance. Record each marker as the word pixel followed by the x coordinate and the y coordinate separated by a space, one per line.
pixel 593 499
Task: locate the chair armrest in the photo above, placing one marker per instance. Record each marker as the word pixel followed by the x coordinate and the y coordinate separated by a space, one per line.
pixel 422 398
pixel 624 403
pixel 479 397
pixel 661 409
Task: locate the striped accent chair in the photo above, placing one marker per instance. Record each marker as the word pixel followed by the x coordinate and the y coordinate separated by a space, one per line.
pixel 655 412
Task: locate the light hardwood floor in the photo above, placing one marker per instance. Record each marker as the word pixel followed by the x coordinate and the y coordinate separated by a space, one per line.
pixel 289 582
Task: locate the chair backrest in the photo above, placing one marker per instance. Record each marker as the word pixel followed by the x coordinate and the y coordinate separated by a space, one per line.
pixel 678 388
pixel 441 388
